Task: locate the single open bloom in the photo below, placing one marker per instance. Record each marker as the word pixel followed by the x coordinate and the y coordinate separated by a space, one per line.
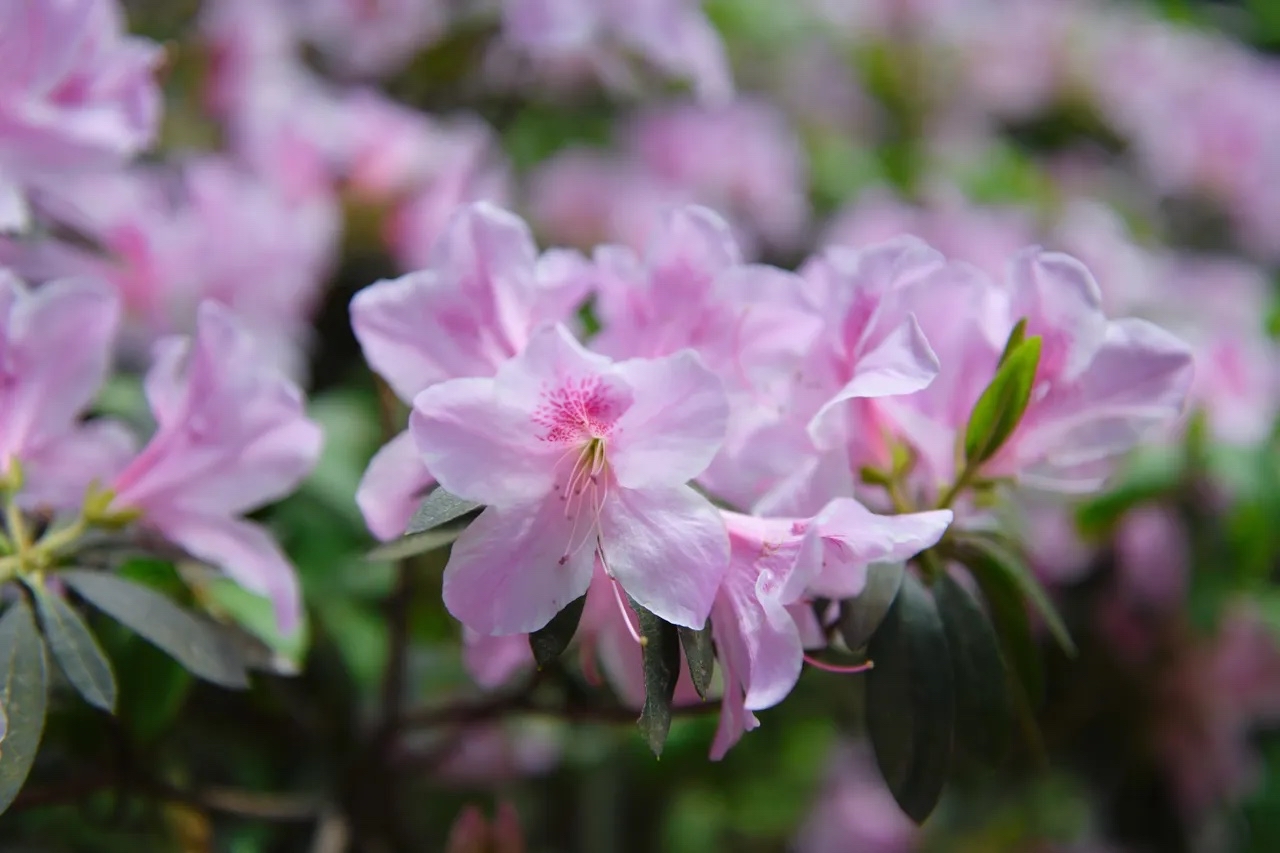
pixel 576 457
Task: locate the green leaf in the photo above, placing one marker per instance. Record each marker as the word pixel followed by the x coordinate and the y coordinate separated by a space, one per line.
pixel 191 640
pixel 23 681
pixel 437 509
pixel 983 712
pixel 996 414
pixel 550 641
pixel 75 649
pixel 911 701
pixel 415 544
pixel 861 616
pixel 1013 628
pixel 1015 339
pixel 661 655
pixel 991 562
pixel 701 655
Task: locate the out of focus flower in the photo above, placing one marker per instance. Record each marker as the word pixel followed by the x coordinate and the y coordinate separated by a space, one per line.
pixel 363 38
pixel 1211 703
pixel 740 159
pixel 855 810
pixel 232 435
pixel 469 310
pixel 673 36
pixel 55 349
pixel 577 459
pixel 472 834
pixel 206 231
pixel 76 95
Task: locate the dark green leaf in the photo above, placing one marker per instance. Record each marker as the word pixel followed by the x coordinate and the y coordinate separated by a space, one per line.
pixel 75 649
pixel 996 414
pixel 911 701
pixel 861 616
pixel 22 695
pixel 988 559
pixel 984 714
pixel 439 507
pixel 550 641
pixel 415 544
pixel 661 655
pixel 193 641
pixel 1009 615
pixel 701 655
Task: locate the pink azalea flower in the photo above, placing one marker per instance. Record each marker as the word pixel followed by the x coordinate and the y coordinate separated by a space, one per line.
pixel 76 94
pixel 1101 385
pixel 369 39
pixel 674 36
pixel 55 349
pixel 775 563
pixel 467 312
pixel 577 458
pixel 232 436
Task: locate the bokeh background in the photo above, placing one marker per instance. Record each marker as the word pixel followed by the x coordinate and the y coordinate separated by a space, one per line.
pixel 311 147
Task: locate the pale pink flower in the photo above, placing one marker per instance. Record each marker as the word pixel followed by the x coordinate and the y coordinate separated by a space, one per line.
pixel 76 94
pixel 673 36
pixel 470 309
pixel 55 350
pixel 855 810
pixel 577 458
pixel 232 435
pixel 1152 558
pixel 207 230
pixel 362 38
pixel 775 563
pixel 1100 388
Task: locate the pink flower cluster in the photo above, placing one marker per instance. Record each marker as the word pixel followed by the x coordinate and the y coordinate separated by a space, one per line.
pixel 231 435
pixel 767 389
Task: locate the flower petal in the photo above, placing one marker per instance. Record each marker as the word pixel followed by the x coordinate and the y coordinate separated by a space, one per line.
pixel 493 661
pixel 668 548
pixel 507 573
pixel 675 424
pixel 392 487
pixel 480 447
pixel 247 553
pixel 1062 303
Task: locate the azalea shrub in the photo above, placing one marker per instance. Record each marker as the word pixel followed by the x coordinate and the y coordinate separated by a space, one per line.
pixel 608 426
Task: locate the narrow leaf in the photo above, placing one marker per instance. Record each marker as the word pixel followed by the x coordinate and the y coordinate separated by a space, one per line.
pixel 861 616
pixel 996 414
pixel 550 641
pixel 911 701
pixel 1013 627
pixel 75 649
pixel 701 655
pixel 415 544
pixel 191 640
pixel 983 711
pixel 439 507
pixel 986 557
pixel 661 654
pixel 23 682
pixel 1015 339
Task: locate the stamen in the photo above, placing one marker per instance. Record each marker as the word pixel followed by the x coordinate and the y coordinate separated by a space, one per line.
pixel 832 667
pixel 625 611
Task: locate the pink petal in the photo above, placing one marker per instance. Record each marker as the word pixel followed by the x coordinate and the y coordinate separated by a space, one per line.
pixel 59 471
pixel 846 537
pixel 668 548
pixel 692 247
pixel 735 719
pixel 392 487
pixel 552 360
pixel 247 553
pixel 479 446
pixel 901 364
pixel 508 572
pixel 675 424
pixel 493 661
pixel 1061 301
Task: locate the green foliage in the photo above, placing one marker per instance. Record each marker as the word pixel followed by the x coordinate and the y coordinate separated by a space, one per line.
pixel 660 652
pixel 699 653
pixel 551 640
pixel 861 616
pixel 75 649
pixel 1000 408
pixel 23 678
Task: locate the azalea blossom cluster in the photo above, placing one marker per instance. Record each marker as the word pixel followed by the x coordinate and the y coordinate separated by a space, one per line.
pixel 231 435
pixel 736 441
